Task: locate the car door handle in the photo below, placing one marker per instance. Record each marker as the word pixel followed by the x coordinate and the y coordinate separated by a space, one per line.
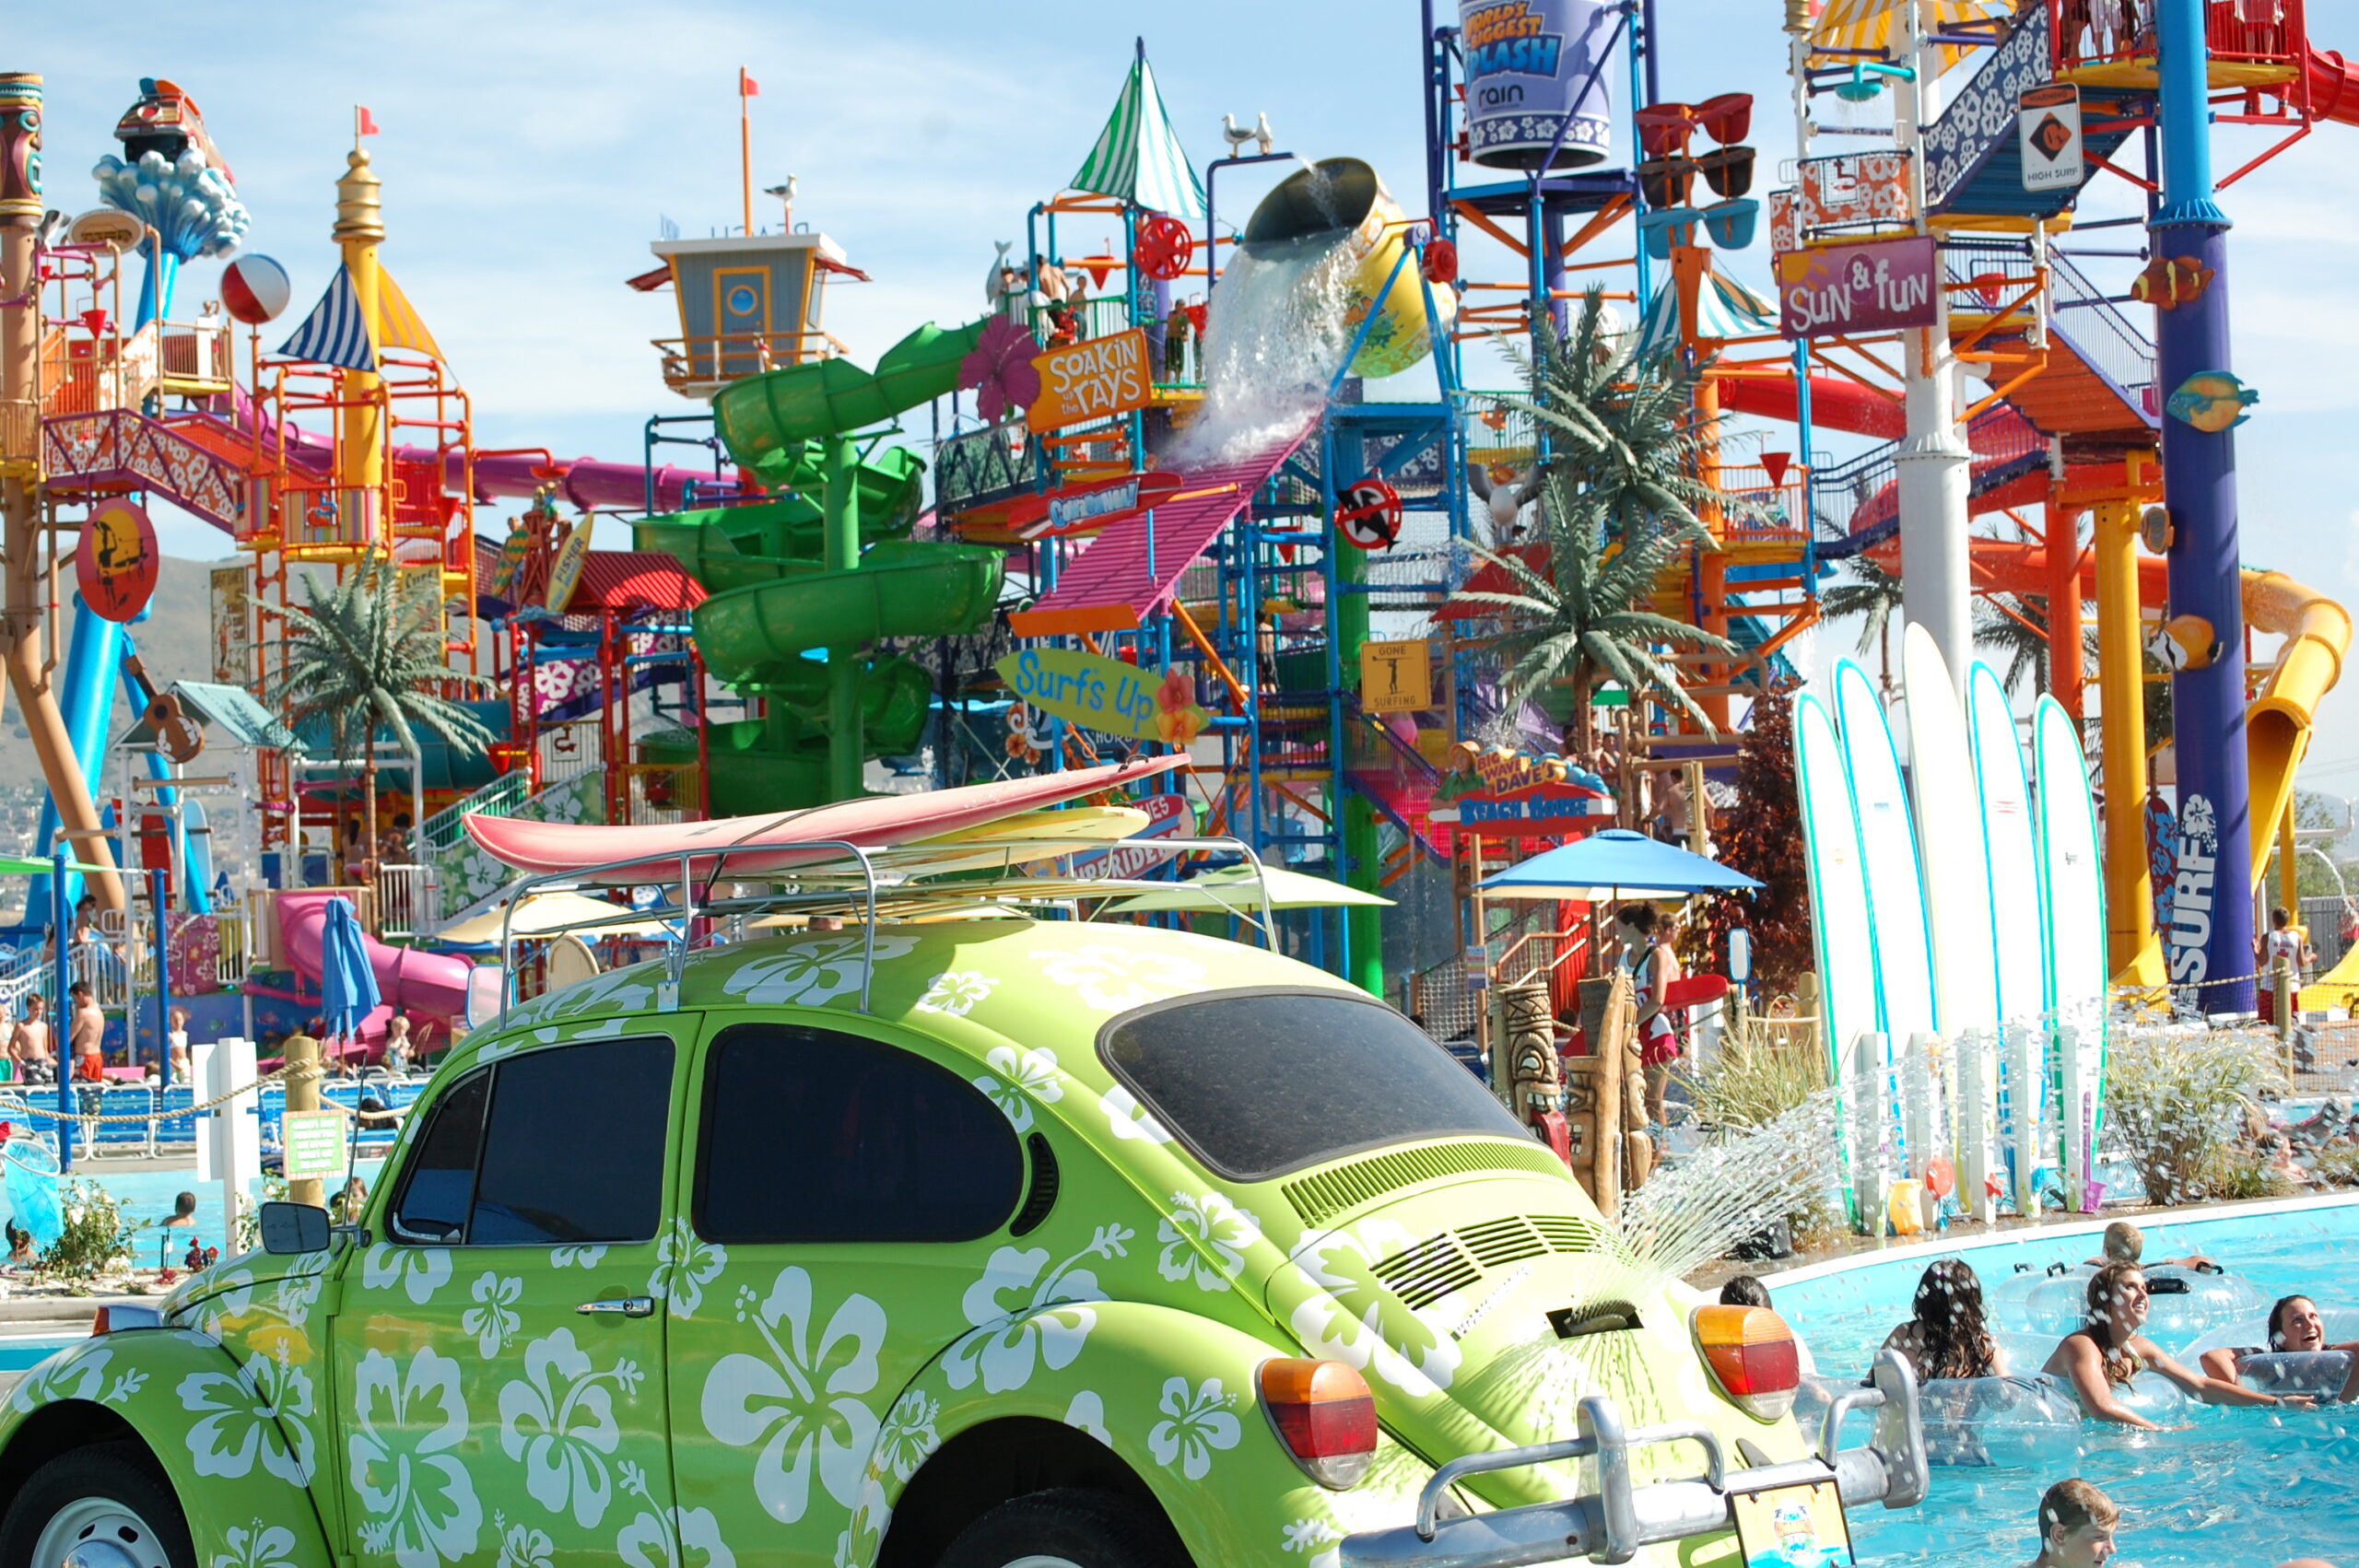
pixel 620 1306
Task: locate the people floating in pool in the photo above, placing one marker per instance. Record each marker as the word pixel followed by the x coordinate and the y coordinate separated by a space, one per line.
pixel 2109 1352
pixel 2296 1328
pixel 1947 1335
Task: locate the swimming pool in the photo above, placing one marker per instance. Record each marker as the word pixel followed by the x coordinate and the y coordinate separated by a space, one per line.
pixel 2240 1487
pixel 21 1353
pixel 147 1195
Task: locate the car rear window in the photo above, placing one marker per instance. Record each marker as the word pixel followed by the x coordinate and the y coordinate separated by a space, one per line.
pixel 1258 1083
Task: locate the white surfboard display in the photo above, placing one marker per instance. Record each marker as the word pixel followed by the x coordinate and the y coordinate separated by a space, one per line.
pixel 1842 929
pixel 1888 844
pixel 2018 926
pixel 2074 881
pixel 1948 801
pixel 1905 1005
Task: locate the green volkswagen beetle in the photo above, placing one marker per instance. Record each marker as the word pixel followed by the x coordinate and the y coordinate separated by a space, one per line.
pixel 983 1242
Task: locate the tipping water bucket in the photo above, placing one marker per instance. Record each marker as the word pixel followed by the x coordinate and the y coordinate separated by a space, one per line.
pixel 1343 196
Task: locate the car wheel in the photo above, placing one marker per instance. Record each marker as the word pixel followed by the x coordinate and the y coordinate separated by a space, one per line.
pixel 1068 1528
pixel 98 1507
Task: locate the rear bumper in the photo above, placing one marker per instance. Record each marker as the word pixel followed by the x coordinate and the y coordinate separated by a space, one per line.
pixel 1612 1523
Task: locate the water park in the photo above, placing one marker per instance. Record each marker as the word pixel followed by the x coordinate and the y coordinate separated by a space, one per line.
pixel 1611 819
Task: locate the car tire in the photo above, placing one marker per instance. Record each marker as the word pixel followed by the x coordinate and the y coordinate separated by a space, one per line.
pixel 1067 1529
pixel 107 1498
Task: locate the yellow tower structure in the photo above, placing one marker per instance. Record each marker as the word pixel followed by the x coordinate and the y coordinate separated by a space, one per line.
pixel 359 229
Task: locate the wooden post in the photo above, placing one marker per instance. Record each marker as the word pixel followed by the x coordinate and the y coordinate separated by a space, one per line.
pixel 303 1094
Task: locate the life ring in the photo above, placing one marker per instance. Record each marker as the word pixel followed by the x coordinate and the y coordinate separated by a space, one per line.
pixel 1163 247
pixel 2298 1372
pixel 2020 1422
pixel 1368 516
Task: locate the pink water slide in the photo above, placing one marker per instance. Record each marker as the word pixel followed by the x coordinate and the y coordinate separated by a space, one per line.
pixel 585 482
pixel 428 984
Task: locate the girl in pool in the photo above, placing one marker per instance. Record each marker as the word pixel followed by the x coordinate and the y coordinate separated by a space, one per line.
pixel 2109 1352
pixel 1947 1336
pixel 2294 1326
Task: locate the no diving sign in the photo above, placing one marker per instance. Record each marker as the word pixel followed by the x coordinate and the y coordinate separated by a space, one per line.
pixel 2048 136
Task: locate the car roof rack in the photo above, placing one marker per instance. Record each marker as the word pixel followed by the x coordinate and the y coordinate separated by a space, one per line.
pixel 858 884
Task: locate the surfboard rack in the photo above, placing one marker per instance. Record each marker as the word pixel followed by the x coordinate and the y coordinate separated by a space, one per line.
pixel 856 883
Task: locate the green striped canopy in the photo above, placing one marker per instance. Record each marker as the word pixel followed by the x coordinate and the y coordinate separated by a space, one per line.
pixel 1138 157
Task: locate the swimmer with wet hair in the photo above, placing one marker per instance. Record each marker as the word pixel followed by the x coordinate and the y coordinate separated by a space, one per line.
pixel 2076 1524
pixel 1946 1335
pixel 2295 1326
pixel 1743 1290
pixel 2125 1243
pixel 2109 1352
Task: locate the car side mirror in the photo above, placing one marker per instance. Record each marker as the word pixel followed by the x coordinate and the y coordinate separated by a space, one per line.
pixel 291 1228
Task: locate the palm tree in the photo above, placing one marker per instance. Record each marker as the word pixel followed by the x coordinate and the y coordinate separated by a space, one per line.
pixel 1871 592
pixel 367 654
pixel 1618 497
pixel 2017 627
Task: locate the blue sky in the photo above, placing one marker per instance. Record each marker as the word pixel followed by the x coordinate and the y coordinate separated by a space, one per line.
pixel 528 149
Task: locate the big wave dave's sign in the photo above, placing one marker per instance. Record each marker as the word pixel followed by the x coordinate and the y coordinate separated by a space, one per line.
pixel 1878 285
pixel 1099 694
pixel 1527 62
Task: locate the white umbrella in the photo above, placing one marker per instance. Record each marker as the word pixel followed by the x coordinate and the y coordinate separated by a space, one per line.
pixel 1235 890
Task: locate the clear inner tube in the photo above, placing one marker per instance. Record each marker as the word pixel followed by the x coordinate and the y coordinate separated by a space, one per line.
pixel 2181 1302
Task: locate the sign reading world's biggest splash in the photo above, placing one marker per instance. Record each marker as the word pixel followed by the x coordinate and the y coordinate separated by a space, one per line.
pixel 1531 66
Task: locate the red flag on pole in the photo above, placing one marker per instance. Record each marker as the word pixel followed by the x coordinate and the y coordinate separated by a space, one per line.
pixel 367 122
pixel 746 86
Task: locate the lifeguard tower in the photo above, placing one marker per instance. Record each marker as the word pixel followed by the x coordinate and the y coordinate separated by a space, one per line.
pixel 749 303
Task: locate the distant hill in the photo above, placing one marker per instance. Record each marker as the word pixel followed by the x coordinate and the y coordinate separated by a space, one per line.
pixel 175 642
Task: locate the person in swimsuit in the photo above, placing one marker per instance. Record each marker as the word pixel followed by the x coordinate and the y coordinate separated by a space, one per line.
pixel 1947 1336
pixel 2294 1326
pixel 28 1044
pixel 2125 1243
pixel 1652 966
pixel 2109 1352
pixel 2076 1525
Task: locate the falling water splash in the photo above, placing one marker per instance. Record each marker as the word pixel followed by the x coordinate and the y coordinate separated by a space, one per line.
pixel 1276 335
pixel 1694 1212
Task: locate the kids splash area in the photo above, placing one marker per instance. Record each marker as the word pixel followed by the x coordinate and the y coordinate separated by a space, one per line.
pixel 1607 815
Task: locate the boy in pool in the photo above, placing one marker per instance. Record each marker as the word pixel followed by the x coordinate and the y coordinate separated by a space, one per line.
pixel 2295 1327
pixel 2125 1243
pixel 2076 1524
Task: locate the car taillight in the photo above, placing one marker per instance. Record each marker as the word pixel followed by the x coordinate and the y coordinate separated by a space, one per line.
pixel 1752 1355
pixel 1324 1414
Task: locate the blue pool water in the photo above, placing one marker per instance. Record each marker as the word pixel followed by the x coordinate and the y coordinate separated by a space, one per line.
pixel 2240 1487
pixel 16 1355
pixel 146 1197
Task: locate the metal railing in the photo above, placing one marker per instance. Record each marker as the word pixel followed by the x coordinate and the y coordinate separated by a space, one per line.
pixel 2109 341
pixel 731 356
pixel 402 893
pixel 1857 503
pixel 988 466
pixel 446 827
pixel 197 356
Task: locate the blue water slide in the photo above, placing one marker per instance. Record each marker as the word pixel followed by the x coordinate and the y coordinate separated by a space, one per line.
pixel 86 699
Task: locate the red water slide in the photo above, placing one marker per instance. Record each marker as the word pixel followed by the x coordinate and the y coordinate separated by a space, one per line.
pixel 2334 86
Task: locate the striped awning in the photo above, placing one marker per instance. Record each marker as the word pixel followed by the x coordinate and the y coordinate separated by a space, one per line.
pixel 1138 157
pixel 1724 308
pixel 336 331
pixel 399 324
pixel 1869 24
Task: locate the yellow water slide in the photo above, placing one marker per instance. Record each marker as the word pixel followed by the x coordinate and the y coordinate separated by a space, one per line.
pixel 2277 727
pixel 2277 736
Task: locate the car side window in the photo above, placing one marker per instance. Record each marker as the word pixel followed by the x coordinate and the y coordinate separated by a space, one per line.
pixel 552 1146
pixel 807 1136
pixel 439 1185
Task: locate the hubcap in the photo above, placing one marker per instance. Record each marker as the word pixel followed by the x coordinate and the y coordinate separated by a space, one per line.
pixel 1040 1560
pixel 98 1532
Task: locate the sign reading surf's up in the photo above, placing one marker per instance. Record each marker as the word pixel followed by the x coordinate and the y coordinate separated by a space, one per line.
pixel 1874 287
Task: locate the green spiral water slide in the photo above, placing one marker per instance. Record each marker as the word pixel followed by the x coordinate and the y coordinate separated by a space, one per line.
pixel 825 567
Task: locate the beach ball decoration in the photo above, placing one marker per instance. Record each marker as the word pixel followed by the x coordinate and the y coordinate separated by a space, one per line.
pixel 254 289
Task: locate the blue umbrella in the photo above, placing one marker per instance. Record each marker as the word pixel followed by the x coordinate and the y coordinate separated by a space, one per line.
pixel 1617 863
pixel 348 983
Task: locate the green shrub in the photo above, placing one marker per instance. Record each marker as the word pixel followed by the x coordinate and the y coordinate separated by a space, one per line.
pixel 95 1236
pixel 2177 1099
